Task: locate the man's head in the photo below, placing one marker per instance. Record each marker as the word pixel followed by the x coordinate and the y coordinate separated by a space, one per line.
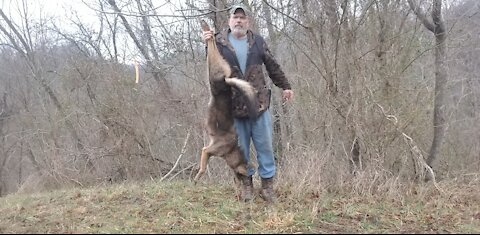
pixel 238 20
pixel 239 8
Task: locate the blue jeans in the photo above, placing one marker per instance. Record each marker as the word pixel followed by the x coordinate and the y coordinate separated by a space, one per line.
pixel 258 130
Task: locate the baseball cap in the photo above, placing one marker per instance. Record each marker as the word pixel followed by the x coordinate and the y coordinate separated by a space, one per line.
pixel 240 6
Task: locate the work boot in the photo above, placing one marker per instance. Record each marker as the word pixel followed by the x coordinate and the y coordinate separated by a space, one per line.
pixel 267 192
pixel 247 188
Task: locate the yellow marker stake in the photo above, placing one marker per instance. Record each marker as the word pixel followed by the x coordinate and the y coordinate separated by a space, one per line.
pixel 136 72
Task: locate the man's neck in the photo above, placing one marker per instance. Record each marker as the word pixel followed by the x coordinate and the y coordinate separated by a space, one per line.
pixel 239 36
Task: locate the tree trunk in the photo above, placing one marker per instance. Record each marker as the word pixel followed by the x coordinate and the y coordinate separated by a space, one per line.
pixel 220 14
pixel 437 26
pixel 439 118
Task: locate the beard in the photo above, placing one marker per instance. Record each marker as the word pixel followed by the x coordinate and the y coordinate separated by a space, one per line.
pixel 239 30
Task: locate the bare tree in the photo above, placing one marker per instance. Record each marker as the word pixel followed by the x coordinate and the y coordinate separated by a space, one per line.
pixel 146 50
pixel 360 70
pixel 23 46
pixel 5 112
pixel 437 26
pixel 219 13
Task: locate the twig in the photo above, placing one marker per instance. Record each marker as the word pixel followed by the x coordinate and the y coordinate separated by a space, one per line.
pixel 179 157
pixel 184 169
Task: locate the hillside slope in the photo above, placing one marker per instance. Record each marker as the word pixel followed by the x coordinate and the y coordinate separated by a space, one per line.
pixel 181 207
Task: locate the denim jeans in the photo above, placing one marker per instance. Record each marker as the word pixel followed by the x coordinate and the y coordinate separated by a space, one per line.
pixel 259 131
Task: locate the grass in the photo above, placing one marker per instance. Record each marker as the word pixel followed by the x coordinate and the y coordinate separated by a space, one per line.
pixel 181 207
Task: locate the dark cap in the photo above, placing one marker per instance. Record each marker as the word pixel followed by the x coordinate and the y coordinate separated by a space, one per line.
pixel 240 6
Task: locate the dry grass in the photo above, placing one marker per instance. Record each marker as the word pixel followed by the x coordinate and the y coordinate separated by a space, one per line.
pixel 181 207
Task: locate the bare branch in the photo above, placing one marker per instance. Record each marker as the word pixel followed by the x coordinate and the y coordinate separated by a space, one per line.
pixel 184 149
pixel 15 31
pixel 291 18
pixel 421 15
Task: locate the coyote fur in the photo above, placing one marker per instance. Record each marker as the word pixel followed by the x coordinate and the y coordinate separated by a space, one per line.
pixel 220 123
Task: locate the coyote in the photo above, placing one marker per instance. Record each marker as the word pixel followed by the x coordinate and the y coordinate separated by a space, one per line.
pixel 219 124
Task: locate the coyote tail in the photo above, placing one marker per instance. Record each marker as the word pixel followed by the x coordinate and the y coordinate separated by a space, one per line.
pixel 248 91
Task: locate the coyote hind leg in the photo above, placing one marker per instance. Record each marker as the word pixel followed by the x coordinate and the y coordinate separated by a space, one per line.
pixel 237 162
pixel 203 163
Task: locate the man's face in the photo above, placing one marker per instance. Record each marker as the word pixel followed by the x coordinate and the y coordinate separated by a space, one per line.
pixel 238 23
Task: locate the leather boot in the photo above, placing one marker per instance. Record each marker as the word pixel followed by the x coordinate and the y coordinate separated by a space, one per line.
pixel 247 188
pixel 267 192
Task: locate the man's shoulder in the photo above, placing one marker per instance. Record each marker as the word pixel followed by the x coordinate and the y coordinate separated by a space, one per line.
pixel 255 37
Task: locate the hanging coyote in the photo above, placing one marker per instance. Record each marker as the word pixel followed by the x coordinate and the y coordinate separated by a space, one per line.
pixel 220 124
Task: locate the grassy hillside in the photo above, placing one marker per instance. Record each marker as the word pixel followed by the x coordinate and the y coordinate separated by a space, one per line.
pixel 181 207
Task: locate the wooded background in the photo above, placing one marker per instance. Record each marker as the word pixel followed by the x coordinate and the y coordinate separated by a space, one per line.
pixel 386 92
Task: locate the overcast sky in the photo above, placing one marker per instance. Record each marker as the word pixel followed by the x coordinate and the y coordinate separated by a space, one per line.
pixel 59 9
pixel 64 8
pixel 62 12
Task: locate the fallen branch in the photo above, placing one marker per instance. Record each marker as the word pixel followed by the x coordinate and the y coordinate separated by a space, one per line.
pixel 184 169
pixel 418 158
pixel 184 149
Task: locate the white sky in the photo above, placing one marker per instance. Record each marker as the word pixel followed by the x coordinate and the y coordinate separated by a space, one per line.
pixel 63 11
pixel 59 9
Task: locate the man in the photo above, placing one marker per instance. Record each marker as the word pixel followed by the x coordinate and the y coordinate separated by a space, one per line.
pixel 246 53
